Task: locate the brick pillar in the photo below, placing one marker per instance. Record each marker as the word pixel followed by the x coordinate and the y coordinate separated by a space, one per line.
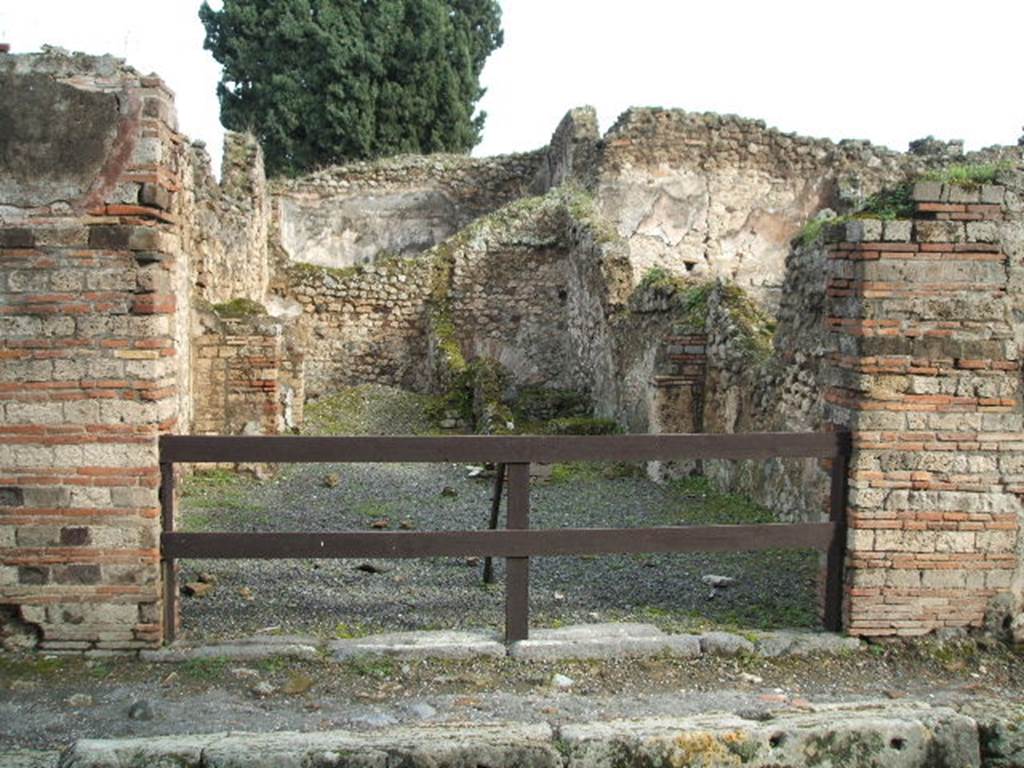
pixel 679 377
pixel 925 372
pixel 237 372
pixel 91 344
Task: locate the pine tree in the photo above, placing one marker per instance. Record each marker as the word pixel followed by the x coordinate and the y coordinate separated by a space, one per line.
pixel 327 81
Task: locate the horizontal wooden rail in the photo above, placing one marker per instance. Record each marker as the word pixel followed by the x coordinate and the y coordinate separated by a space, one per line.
pixel 517 542
pixel 509 450
pixel 500 543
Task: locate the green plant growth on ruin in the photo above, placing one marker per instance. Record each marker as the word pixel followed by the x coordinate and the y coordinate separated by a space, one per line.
pixel 236 309
pixel 971 175
pixel 475 389
pixel 368 409
pixel 582 425
pixel 540 404
pixel 756 326
pixel 693 300
pixel 887 204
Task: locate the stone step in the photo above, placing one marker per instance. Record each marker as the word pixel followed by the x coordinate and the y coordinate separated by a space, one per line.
pixel 906 735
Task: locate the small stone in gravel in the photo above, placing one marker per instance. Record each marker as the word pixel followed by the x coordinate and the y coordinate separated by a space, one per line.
pixel 332 480
pixel 207 578
pixel 449 492
pixel 370 568
pixel 245 593
pixel 407 525
pixel 718 582
pixel 262 689
pixel 140 710
pixel 757 715
pixel 197 589
pixel 80 700
pixel 375 720
pixel 472 562
pixel 245 673
pixel 169 680
pixel 297 683
pixel 749 678
pixel 421 709
pixel 380 523
pixel 562 681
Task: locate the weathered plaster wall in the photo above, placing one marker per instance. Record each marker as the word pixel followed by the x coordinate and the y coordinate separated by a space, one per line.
pixel 355 214
pixel 718 195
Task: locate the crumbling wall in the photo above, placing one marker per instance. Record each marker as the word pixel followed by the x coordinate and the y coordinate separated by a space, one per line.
pixel 94 345
pixel 225 225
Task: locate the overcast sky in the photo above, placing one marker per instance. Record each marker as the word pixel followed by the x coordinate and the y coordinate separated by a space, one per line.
pixel 886 71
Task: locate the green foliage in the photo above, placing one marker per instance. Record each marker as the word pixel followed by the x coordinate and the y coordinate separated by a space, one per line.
pixel 239 308
pixel 703 504
pixel 204 669
pixel 215 489
pixel 372 666
pixel 344 631
pixel 582 425
pixel 888 204
pixel 368 409
pixel 659 278
pixel 325 81
pixel 970 175
pixel 812 230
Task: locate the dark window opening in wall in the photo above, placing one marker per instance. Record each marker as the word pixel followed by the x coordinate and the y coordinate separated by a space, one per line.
pixel 563 294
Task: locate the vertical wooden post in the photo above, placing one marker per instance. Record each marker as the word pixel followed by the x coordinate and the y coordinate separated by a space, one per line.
pixel 836 556
pixel 167 566
pixel 517 569
pixel 492 524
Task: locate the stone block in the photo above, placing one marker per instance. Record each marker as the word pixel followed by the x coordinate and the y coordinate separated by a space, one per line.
pixel 897 231
pixel 927 192
pixel 939 232
pixel 420 645
pixel 863 230
pixel 993 194
pixel 156 196
pixel 982 232
pixel 958 193
pixel 17 237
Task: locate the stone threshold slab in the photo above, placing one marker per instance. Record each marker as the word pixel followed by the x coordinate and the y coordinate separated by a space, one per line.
pixel 873 734
pixel 583 641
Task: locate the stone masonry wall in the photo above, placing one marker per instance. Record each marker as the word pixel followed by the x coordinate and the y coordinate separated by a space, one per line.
pixel 225 225
pixel 365 324
pixel 94 344
pixel 926 374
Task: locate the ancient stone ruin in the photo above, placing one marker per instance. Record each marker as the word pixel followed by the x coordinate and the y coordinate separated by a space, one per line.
pixel 684 272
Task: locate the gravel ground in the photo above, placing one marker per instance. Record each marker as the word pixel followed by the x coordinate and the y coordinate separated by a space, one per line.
pixel 47 702
pixel 345 598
